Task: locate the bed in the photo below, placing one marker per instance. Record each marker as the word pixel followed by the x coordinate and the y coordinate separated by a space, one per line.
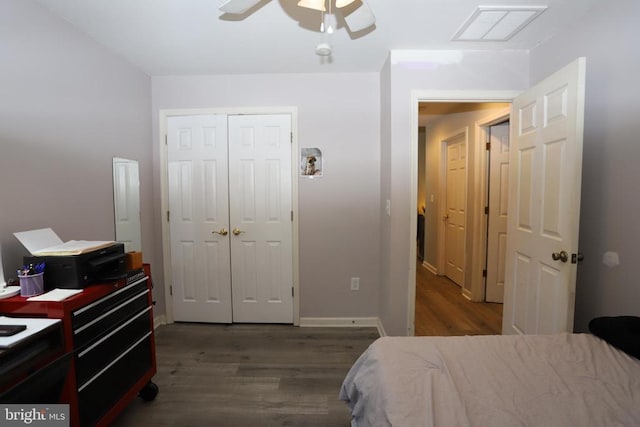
pixel 526 380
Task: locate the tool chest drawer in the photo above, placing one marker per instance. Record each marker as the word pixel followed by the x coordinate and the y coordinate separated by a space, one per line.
pixel 94 358
pixel 99 394
pixel 93 321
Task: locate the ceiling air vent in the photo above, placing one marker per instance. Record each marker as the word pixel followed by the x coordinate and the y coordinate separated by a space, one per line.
pixel 497 23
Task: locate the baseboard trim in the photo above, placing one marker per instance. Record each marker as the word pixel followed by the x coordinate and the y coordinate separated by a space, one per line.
pixel 310 322
pixel 159 321
pixel 381 330
pixel 342 322
pixel 430 267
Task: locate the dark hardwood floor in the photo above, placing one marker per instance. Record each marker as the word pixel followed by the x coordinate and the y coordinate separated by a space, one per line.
pixel 441 310
pixel 249 375
pixel 279 375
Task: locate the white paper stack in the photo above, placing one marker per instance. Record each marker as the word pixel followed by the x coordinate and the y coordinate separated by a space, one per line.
pixel 56 295
pixel 46 242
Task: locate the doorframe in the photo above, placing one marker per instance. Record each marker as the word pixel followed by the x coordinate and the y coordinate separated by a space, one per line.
pixel 164 192
pixel 442 188
pixel 418 96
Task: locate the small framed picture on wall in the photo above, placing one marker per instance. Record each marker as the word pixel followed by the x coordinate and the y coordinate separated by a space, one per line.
pixel 310 162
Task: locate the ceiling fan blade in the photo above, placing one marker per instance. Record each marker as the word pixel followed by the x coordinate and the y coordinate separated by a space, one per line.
pixel 238 7
pixel 360 18
pixel 343 3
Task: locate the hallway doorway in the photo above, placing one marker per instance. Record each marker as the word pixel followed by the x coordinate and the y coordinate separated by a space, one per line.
pixel 443 306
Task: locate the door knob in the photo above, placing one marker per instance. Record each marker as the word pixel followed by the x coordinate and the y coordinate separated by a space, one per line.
pixel 562 256
pixel 236 231
pixel 223 232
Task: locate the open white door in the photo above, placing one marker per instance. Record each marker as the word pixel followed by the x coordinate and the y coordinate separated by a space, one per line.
pixel 498 209
pixel 260 203
pixel 544 204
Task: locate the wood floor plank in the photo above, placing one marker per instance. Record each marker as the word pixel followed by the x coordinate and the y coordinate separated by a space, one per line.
pixel 250 375
pixel 441 310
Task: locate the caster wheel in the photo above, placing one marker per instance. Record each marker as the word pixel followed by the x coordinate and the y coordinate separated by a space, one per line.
pixel 149 391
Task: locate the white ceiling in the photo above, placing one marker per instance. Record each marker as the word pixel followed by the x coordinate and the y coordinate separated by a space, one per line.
pixel 187 37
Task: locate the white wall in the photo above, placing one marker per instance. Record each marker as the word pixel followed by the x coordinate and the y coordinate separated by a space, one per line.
pixel 608 37
pixel 426 70
pixel 67 106
pixel 385 189
pixel 339 213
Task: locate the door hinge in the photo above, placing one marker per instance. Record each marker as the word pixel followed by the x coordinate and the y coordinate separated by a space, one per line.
pixel 291 136
pixel 165 139
pixel 171 290
pixel 484 273
pixel 167 216
pixel 488 145
pixel 486 210
pixel 292 292
pixel 291 215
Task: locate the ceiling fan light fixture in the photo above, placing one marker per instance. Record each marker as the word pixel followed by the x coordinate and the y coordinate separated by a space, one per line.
pixel 323 49
pixel 343 3
pixel 313 4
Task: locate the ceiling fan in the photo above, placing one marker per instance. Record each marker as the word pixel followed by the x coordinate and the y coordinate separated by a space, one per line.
pixel 357 14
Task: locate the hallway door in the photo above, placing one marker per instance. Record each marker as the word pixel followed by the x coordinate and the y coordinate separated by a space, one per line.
pixel 455 216
pixel 498 208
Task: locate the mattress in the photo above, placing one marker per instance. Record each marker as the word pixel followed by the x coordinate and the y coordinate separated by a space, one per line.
pixel 526 380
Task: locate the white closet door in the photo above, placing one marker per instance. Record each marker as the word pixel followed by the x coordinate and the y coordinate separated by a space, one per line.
pixel 260 217
pixel 199 215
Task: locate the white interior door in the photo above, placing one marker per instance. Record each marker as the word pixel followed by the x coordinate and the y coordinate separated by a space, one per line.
pixel 126 196
pixel 544 204
pixel 455 216
pixel 498 208
pixel 199 218
pixel 261 218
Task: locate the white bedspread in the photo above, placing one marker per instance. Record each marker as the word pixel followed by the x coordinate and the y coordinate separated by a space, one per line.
pixel 535 380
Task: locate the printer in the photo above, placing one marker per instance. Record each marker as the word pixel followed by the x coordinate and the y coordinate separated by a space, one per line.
pixel 74 264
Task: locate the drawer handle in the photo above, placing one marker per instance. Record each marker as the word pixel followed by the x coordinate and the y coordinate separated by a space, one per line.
pixel 108 297
pixel 97 319
pixel 110 334
pixel 113 362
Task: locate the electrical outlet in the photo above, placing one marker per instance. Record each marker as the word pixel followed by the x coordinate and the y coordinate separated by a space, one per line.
pixel 355 283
